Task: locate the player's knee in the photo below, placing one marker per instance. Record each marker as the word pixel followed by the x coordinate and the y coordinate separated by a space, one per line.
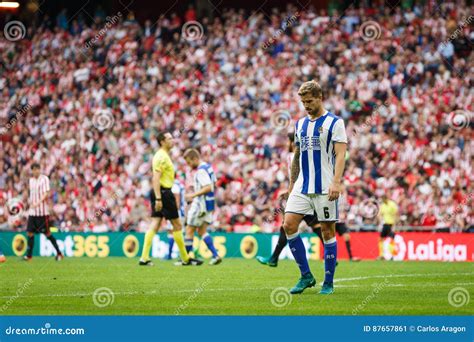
pixel 327 236
pixel 327 233
pixel 176 224
pixel 290 228
pixel 189 232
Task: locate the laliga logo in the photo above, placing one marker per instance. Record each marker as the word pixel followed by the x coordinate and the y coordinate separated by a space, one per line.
pixel 432 250
pixel 397 250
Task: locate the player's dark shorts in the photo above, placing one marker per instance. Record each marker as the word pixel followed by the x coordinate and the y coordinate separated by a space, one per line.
pixel 341 228
pixel 311 220
pixel 387 231
pixel 38 224
pixel 170 209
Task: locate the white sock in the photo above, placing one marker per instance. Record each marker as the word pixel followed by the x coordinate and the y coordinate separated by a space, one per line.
pixel 330 241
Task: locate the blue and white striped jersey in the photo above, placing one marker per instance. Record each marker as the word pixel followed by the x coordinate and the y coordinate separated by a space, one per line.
pixel 178 189
pixel 316 139
pixel 205 176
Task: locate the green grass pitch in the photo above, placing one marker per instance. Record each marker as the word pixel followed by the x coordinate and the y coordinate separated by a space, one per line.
pixel 236 287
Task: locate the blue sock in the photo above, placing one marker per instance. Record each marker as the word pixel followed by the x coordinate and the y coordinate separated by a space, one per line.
pixel 299 252
pixel 330 259
pixel 210 244
pixel 170 246
pixel 189 244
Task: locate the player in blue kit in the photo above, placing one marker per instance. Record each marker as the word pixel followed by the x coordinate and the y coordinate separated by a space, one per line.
pixel 203 203
pixel 315 183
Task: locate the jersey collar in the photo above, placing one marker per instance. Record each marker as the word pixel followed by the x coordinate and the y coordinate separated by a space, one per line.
pixel 320 118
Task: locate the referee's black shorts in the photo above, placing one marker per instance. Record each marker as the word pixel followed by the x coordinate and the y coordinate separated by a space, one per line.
pixel 38 224
pixel 341 228
pixel 169 209
pixel 387 231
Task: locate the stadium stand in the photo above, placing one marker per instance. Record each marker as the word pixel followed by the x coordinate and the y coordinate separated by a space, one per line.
pixel 87 99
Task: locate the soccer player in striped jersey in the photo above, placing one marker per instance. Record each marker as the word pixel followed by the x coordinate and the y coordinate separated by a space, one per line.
pixel 315 182
pixel 178 191
pixel 203 203
pixel 38 215
pixel 311 220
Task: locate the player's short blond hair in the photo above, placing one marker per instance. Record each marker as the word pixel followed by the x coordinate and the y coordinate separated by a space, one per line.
pixel 191 153
pixel 312 88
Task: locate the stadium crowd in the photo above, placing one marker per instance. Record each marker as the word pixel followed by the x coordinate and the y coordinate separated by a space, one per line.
pixel 86 100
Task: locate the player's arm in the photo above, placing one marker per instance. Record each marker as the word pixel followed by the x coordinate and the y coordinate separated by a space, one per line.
pixel 379 216
pixel 177 197
pixel 397 217
pixel 336 187
pixel 203 191
pixel 205 181
pixel 42 197
pixel 295 169
pixel 157 189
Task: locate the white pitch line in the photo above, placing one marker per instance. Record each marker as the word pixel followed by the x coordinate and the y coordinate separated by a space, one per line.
pixel 414 275
pixel 365 286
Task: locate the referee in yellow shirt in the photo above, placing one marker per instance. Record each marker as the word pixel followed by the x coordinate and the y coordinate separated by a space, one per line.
pixel 389 215
pixel 163 202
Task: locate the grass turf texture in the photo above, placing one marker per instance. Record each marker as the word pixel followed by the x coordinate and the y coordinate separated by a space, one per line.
pixel 236 287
